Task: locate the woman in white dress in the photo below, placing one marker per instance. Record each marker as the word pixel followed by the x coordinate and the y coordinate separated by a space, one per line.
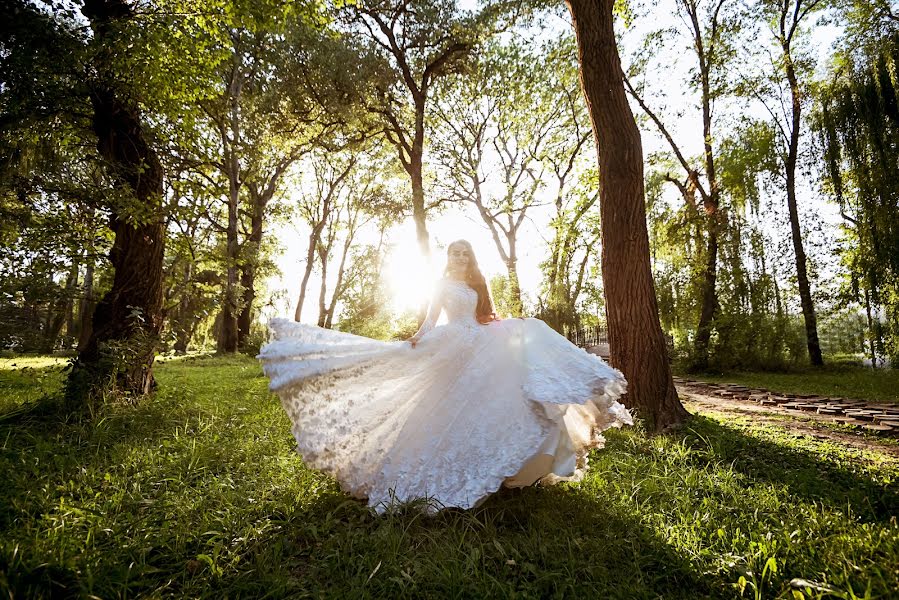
pixel 453 413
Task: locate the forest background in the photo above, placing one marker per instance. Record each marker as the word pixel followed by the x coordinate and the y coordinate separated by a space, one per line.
pixel 314 159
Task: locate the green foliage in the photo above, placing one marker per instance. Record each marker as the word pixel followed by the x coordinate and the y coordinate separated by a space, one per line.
pixel 858 122
pixel 200 494
pixel 748 159
pixel 366 301
pixel 504 302
pixel 752 328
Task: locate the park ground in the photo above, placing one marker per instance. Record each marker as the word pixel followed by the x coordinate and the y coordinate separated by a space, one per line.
pixel 197 492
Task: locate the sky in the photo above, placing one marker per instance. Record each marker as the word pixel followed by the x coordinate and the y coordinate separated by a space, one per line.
pixel 411 279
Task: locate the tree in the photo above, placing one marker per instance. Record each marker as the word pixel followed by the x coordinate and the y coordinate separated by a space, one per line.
pixel 279 92
pixel 636 341
pixel 366 297
pixel 786 18
pixel 857 121
pixel 493 136
pixel 328 176
pixel 193 278
pixel 422 41
pixel 361 201
pixel 575 226
pixel 248 157
pixel 712 29
pixel 128 319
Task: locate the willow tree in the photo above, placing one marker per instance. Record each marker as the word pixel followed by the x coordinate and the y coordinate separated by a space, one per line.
pixel 636 341
pixel 857 119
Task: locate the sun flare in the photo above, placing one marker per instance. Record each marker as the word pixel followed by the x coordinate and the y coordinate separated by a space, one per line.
pixel 409 276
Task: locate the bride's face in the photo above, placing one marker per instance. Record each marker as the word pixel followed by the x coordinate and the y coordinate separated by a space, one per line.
pixel 459 257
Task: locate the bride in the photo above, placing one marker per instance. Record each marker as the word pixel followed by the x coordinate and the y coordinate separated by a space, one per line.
pixel 453 413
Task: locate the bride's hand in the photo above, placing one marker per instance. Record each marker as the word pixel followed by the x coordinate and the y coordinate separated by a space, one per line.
pixel 413 340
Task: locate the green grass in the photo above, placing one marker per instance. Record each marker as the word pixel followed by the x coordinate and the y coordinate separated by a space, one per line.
pixel 876 385
pixel 197 493
pixel 27 378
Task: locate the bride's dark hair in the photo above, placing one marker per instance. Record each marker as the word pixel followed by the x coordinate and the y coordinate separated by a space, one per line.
pixel 483 312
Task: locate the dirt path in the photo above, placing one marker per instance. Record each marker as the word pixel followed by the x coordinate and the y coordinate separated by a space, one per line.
pixel 696 399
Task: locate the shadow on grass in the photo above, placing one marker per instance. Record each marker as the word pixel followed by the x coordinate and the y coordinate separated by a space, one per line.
pixel 304 539
pixel 837 483
pixel 531 543
pixel 46 446
pixel 230 520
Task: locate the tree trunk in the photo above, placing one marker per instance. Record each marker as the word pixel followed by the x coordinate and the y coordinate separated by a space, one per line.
pixel 636 341
pixel 310 257
pixel 228 337
pixel 227 340
pixel 59 311
pixel 514 288
pixel 338 286
pixel 871 336
pixel 419 215
pixel 129 317
pixel 418 208
pixel 248 273
pixel 182 339
pixel 87 304
pixel 323 254
pixel 71 285
pixel 314 237
pixel 709 299
pixel 805 293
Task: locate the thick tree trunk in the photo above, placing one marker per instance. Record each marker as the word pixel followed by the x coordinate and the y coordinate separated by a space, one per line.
pixel 635 336
pixel 129 317
pixel 805 292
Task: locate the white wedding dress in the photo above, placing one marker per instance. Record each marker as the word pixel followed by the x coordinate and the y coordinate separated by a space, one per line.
pixel 470 408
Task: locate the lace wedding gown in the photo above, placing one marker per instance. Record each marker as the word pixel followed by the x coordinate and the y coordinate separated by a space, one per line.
pixel 469 408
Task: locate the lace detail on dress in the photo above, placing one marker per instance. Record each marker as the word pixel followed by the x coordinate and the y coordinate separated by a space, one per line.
pixel 457 299
pixel 450 419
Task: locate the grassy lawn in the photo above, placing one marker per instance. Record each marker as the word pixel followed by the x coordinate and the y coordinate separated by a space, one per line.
pixel 27 378
pixel 876 385
pixel 197 493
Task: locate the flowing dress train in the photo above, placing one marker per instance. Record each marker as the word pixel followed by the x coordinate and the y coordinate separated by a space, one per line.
pixel 470 408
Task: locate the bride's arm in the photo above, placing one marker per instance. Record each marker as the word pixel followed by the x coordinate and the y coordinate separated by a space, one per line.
pixel 433 314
